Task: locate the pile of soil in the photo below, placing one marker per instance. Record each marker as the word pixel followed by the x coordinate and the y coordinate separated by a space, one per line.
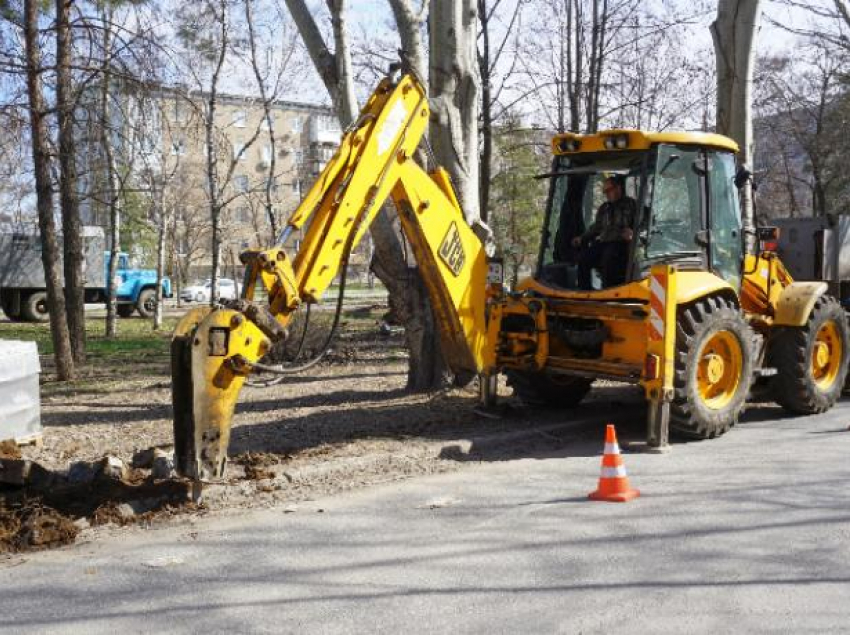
pixel 257 465
pixel 41 517
pixel 34 526
pixel 9 449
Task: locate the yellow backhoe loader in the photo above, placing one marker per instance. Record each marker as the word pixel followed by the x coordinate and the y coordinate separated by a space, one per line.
pixel 694 319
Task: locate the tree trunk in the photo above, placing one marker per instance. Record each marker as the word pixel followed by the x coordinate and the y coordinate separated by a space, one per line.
pixel 734 34
pixel 269 119
pixel 486 112
pixel 454 94
pixel 50 254
pixel 112 185
pixel 162 224
pixel 212 155
pixel 72 229
pixel 426 369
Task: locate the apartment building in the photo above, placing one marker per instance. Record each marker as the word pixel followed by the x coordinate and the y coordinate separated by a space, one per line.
pixel 162 143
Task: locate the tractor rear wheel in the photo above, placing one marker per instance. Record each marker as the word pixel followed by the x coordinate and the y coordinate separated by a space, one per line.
pixel 713 368
pixel 811 360
pixel 548 391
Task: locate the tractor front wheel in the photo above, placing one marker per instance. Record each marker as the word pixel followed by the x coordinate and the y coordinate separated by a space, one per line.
pixel 811 360
pixel 713 368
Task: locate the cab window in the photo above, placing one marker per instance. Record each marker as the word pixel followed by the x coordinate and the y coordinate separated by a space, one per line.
pixel 677 208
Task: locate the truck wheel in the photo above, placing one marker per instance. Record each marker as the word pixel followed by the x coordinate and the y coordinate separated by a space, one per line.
pixel 34 307
pixel 548 391
pixel 713 368
pixel 125 310
pixel 811 360
pixel 146 303
pixel 7 304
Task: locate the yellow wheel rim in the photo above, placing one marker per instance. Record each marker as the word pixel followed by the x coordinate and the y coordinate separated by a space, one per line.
pixel 719 367
pixel 826 355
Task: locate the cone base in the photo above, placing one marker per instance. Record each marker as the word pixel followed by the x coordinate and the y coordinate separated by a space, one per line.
pixel 619 497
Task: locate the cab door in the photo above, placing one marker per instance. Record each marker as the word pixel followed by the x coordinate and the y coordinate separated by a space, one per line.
pixel 724 216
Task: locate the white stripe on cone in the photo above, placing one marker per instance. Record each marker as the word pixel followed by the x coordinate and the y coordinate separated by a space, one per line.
pixel 614 472
pixel 612 448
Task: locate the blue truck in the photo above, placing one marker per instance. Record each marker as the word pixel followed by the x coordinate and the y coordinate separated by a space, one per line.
pixel 22 289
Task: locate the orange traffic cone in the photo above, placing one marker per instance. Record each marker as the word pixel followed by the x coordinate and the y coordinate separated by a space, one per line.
pixel 613 483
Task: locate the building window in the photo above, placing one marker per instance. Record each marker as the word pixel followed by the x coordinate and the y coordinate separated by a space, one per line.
pixel 327 123
pixel 180 112
pixel 240 183
pixel 299 158
pixel 296 188
pixel 238 151
pixel 239 118
pixel 297 124
pixel 266 154
pixel 243 215
pixel 178 147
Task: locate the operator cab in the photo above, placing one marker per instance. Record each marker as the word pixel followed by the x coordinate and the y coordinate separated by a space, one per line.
pixel 683 189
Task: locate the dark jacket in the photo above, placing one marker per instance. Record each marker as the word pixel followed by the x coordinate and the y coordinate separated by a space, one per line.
pixel 611 220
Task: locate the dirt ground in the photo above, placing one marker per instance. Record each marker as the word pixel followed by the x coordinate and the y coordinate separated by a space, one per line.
pixel 345 424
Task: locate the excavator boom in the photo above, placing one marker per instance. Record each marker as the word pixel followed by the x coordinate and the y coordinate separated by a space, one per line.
pixel 215 348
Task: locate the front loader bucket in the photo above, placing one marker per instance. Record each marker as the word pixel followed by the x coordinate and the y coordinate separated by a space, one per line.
pixel 207 373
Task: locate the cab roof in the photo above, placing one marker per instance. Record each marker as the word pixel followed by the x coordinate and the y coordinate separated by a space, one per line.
pixel 564 144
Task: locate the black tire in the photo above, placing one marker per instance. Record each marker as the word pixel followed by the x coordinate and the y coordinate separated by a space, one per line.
pixel 548 391
pixel 34 307
pixel 703 327
pixel 791 351
pixel 6 303
pixel 146 304
pixel 125 310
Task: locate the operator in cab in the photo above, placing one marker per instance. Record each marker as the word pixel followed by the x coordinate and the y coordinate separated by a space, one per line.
pixel 605 244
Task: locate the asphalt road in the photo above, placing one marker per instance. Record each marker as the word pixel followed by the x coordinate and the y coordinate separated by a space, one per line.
pixel 747 533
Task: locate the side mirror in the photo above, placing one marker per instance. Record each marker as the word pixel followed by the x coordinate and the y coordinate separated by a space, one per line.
pixel 742 176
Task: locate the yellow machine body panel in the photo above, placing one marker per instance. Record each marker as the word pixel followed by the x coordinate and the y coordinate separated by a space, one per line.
pixel 636 140
pixel 623 313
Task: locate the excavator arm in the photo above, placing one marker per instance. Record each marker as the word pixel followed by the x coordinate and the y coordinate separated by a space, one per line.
pixel 215 349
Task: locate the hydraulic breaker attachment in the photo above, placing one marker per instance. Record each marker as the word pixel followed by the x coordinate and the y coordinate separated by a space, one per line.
pixel 211 352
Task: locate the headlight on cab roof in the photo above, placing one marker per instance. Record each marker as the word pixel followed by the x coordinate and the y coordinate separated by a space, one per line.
pixel 569 145
pixel 617 142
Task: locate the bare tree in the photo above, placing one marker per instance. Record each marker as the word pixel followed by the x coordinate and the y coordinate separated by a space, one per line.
pixel 111 177
pixel 803 112
pixel 734 34
pixel 72 229
pixel 493 47
pixel 50 252
pixel 209 30
pixel 454 92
